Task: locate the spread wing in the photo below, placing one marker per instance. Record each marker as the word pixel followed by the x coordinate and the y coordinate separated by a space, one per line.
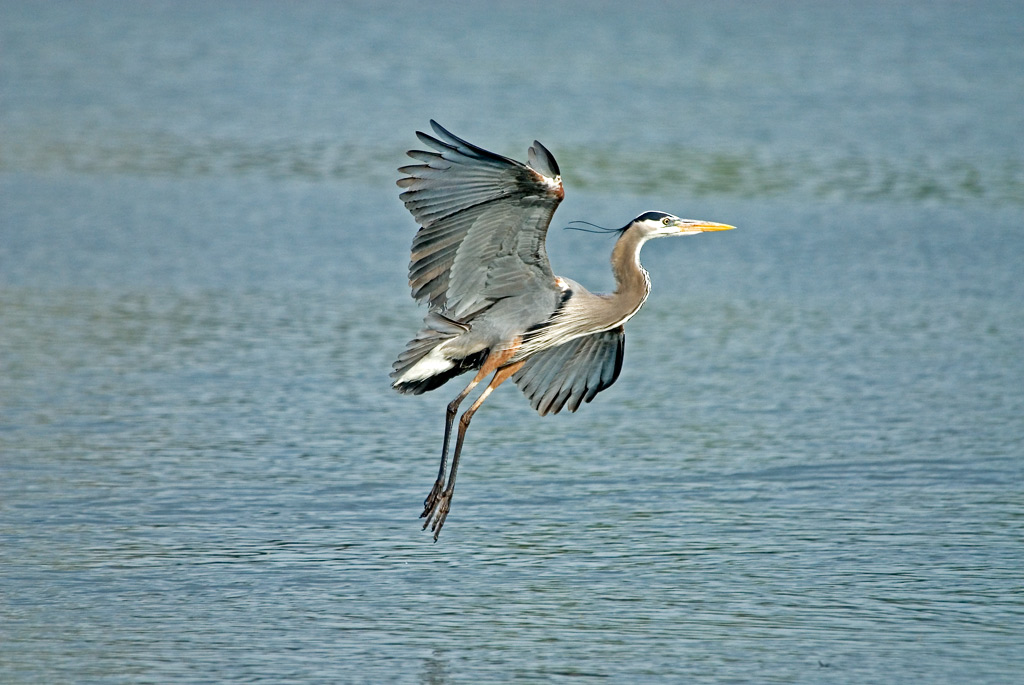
pixel 572 373
pixel 483 220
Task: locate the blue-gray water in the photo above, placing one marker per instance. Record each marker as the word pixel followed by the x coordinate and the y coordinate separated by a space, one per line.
pixel 810 471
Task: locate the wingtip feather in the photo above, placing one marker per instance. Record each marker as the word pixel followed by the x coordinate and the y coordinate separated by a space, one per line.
pixel 541 160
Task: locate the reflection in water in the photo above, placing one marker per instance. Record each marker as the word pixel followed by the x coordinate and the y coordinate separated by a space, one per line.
pixel 435 669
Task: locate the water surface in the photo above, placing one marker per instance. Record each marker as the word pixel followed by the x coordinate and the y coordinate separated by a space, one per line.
pixel 809 471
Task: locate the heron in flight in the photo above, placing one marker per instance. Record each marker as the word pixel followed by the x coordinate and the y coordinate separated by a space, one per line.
pixel 494 306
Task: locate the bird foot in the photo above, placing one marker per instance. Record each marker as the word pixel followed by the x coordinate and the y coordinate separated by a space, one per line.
pixel 437 511
pixel 431 501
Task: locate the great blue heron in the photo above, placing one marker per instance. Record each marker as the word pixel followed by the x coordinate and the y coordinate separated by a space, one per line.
pixel 494 305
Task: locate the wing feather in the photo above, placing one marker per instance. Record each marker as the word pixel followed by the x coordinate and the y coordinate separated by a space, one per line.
pixel 483 221
pixel 572 373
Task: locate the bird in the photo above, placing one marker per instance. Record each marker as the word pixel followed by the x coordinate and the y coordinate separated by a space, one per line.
pixel 494 305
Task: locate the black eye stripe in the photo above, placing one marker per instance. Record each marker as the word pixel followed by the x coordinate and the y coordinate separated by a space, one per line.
pixel 653 216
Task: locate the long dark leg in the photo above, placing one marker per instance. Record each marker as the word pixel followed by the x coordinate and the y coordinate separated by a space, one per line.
pixel 453 408
pixel 439 511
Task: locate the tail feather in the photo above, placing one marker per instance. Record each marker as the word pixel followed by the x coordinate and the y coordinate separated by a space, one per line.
pixel 423 365
pixel 459 367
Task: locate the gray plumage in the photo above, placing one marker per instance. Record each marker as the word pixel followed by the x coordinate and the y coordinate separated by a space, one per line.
pixel 573 372
pixel 494 305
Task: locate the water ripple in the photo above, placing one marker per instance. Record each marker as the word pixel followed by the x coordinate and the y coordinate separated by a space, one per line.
pixel 750 173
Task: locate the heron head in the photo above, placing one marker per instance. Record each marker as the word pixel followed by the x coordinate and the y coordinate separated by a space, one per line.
pixel 661 225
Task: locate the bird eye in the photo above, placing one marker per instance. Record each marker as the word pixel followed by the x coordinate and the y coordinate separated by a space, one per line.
pixel 667 220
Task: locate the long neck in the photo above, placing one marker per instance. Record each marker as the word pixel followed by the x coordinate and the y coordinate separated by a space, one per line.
pixel 632 284
pixel 585 313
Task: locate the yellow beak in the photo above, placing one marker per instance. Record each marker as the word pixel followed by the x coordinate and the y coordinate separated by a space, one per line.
pixel 712 226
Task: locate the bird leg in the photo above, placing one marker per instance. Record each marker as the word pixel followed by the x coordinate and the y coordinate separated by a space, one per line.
pixel 453 408
pixel 439 501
